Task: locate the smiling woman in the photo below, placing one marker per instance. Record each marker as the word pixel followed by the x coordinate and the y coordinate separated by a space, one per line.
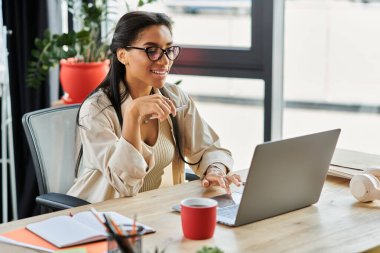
pixel 132 127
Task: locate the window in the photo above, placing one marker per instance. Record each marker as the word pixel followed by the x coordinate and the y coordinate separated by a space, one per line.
pixel 332 70
pixel 233 107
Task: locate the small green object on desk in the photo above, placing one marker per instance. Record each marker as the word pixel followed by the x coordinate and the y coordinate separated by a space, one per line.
pixel 206 249
pixel 75 250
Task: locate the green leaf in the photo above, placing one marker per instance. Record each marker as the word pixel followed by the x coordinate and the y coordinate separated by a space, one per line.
pixel 55 37
pixel 39 44
pixel 140 3
pixel 45 57
pixel 47 34
pixel 206 249
pixel 67 39
pixel 35 53
pixel 71 52
pixel 32 64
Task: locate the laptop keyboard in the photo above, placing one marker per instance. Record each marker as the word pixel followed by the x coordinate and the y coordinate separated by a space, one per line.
pixel 228 211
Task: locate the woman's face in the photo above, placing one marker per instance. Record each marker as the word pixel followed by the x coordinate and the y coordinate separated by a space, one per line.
pixel 141 71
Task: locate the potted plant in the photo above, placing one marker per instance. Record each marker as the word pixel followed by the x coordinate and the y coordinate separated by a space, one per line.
pixel 82 55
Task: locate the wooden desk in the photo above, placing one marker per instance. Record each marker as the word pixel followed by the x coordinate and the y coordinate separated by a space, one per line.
pixel 337 223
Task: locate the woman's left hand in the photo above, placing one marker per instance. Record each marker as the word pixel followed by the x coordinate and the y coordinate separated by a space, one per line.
pixel 216 176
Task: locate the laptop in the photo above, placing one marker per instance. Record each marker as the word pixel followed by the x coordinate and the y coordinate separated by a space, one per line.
pixel 284 176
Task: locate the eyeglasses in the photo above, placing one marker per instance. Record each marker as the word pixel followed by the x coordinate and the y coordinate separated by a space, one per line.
pixel 156 53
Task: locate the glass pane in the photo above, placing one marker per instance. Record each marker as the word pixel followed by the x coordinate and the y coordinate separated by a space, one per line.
pixel 233 108
pixel 225 23
pixel 332 70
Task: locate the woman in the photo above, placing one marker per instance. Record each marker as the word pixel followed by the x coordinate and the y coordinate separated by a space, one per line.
pixel 130 126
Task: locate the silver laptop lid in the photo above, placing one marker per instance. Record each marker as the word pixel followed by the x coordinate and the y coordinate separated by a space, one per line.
pixel 286 175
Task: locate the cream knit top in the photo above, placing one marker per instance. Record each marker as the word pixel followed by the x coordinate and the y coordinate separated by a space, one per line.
pixel 163 153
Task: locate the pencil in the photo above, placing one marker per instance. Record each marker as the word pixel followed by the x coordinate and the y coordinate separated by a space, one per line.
pixel 134 224
pixel 134 232
pixel 96 214
pixel 117 229
pixel 123 244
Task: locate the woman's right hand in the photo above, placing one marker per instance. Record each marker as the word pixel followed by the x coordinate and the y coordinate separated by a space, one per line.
pixel 144 108
pixel 153 106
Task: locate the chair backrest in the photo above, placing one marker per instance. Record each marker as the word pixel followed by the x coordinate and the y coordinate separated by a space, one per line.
pixel 54 144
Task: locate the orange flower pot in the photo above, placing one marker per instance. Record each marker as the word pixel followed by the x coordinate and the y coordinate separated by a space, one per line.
pixel 79 79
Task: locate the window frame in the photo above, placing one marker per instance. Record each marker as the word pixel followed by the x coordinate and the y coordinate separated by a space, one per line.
pixel 256 62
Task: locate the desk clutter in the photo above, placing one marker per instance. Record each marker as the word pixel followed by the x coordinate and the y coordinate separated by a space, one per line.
pixel 362 168
pixel 348 163
pixel 124 238
pixel 83 228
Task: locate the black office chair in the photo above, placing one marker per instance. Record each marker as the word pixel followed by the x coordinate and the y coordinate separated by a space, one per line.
pixel 190 175
pixel 54 145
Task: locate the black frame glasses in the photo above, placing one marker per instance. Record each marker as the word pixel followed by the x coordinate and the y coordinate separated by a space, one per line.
pixel 155 53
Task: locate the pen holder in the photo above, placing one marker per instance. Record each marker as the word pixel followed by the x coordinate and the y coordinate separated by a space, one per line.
pixel 127 243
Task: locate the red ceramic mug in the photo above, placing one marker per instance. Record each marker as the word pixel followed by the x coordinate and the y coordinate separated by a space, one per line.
pixel 198 216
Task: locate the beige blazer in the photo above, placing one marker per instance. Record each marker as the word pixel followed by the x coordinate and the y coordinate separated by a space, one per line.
pixel 113 168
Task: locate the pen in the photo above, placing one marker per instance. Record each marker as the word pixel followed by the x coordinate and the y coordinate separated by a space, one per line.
pixel 178 109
